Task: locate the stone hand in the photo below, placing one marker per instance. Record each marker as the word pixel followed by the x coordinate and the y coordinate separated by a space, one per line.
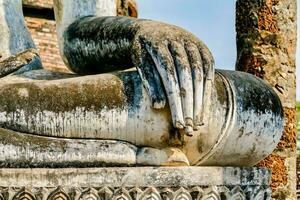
pixel 21 62
pixel 173 61
pixel 173 64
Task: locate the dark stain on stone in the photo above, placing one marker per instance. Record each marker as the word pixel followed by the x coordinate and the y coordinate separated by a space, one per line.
pixel 109 44
pixel 8 137
pixel 133 90
pixel 241 132
pixel 254 94
pixel 221 89
pixel 63 98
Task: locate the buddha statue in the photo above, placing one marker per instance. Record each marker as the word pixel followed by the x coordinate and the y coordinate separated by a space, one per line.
pixel 143 93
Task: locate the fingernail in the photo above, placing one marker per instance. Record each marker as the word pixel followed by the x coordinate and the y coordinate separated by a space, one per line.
pixel 189 130
pixel 179 125
pixel 159 105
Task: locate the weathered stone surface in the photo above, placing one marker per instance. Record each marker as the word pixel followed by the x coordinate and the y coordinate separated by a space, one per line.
pixel 15 63
pixel 288 140
pixel 174 67
pixel 240 137
pixel 189 183
pixel 136 193
pixel 117 107
pixel 25 150
pixel 266 42
pixel 279 171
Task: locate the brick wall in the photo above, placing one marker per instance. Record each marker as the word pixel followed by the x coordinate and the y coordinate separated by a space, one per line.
pixel 38 3
pixel 39 18
pixel 43 32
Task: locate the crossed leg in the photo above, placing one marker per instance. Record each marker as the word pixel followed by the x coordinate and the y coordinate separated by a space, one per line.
pixel 22 57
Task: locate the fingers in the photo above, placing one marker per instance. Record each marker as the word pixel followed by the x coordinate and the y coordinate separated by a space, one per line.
pixel 160 100
pixel 186 71
pixel 208 61
pixel 209 73
pixel 165 66
pixel 198 82
pixel 184 74
pixel 150 79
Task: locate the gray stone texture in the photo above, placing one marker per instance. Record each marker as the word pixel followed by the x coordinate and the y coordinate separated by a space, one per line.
pixel 69 129
pixel 162 50
pixel 203 183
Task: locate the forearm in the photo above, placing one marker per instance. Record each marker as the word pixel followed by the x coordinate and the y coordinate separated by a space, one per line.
pixel 69 11
pixel 102 44
pixel 99 44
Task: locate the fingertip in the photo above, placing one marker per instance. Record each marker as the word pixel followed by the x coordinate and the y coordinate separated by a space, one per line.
pixel 179 125
pixel 189 131
pixel 158 100
pixel 159 104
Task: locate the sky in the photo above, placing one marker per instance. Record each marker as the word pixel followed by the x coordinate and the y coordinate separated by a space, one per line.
pixel 213 21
